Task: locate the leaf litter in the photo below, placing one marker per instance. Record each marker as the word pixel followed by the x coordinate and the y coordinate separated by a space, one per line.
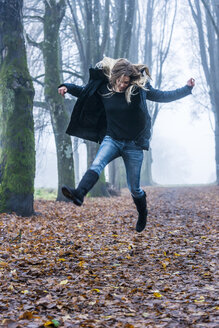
pixel 86 266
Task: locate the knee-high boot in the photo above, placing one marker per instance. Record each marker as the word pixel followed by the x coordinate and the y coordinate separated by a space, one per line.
pixel 141 205
pixel 85 185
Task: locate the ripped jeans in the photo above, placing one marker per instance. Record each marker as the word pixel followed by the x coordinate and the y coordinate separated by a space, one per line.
pixel 132 156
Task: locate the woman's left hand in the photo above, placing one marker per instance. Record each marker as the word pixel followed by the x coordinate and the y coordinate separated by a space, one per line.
pixel 191 82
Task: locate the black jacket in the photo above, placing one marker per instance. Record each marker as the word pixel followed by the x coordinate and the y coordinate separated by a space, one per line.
pixel 88 119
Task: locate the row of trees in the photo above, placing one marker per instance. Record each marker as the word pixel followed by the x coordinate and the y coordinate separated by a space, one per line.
pixel 114 29
pixel 64 38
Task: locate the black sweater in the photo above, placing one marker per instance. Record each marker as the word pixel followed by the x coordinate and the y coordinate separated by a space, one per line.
pixel 124 121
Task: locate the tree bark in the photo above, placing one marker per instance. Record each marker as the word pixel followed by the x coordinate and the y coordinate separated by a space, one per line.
pixel 17 149
pixel 52 18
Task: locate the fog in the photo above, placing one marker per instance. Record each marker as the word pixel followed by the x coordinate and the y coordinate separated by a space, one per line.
pixel 183 144
pixel 182 148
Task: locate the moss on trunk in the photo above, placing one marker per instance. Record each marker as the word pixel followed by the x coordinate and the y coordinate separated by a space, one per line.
pixel 17 151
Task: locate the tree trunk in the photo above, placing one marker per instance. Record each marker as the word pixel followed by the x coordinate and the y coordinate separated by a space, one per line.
pixel 135 39
pixel 100 187
pixel 52 18
pixel 91 46
pixel 125 18
pixel 92 37
pixel 146 175
pixel 17 151
pixel 209 50
pixel 76 161
pixel 217 150
pixel 213 50
pixel 117 174
pixel 162 50
pixel 112 172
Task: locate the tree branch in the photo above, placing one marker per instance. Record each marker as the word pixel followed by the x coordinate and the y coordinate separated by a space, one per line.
pixel 41 75
pixel 202 44
pixel 61 6
pixel 48 3
pixel 171 33
pixel 211 17
pixel 38 45
pixel 35 10
pixel 39 82
pixel 39 18
pixel 72 73
pixel 105 27
pixel 77 34
pixel 195 16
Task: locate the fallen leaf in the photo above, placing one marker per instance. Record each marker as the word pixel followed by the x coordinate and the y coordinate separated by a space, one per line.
pixel 157 294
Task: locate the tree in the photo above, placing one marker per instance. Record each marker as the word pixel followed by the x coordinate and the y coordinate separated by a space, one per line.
pixel 165 14
pixel 206 19
pixel 17 153
pixel 124 18
pixel 90 35
pixel 53 15
pixel 145 24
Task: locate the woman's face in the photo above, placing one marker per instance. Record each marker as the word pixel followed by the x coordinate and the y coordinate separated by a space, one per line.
pixel 122 83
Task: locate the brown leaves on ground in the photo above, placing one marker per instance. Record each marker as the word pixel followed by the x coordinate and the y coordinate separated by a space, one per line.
pixel 86 266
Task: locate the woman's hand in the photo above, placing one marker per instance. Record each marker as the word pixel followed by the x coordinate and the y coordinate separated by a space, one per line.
pixel 62 91
pixel 191 82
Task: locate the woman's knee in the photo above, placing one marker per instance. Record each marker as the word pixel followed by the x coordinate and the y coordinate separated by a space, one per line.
pixel 136 192
pixel 97 168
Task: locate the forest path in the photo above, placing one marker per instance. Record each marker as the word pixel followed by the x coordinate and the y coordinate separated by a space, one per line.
pixel 86 266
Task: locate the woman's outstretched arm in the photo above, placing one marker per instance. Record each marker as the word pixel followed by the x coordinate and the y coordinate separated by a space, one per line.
pixel 71 88
pixel 168 96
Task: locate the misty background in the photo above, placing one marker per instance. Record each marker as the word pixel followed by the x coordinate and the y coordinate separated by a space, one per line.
pixel 183 140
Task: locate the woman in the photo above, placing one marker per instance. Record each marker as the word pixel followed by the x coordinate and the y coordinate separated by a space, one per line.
pixel 111 109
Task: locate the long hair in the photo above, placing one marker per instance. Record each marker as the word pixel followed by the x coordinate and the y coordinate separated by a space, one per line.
pixel 117 68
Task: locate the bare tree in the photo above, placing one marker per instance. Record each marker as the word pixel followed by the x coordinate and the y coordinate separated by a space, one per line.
pixel 93 37
pixel 53 14
pixel 206 19
pixel 123 13
pixel 159 46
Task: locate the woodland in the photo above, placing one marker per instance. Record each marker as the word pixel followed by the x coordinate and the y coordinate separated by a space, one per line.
pixel 44 43
pixel 64 266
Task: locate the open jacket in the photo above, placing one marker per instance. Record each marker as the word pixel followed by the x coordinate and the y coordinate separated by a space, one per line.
pixel 88 119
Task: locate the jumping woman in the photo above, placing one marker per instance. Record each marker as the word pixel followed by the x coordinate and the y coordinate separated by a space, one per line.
pixel 111 110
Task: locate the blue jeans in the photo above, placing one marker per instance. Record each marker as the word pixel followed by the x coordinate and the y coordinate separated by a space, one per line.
pixel 132 156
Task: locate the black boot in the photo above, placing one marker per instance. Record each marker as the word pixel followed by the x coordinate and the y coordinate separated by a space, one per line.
pixel 86 183
pixel 141 205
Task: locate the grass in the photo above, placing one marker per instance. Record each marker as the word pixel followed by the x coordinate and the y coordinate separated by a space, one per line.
pixel 45 193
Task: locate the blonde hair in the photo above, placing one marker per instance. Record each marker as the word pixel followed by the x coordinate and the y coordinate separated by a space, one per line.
pixel 116 68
